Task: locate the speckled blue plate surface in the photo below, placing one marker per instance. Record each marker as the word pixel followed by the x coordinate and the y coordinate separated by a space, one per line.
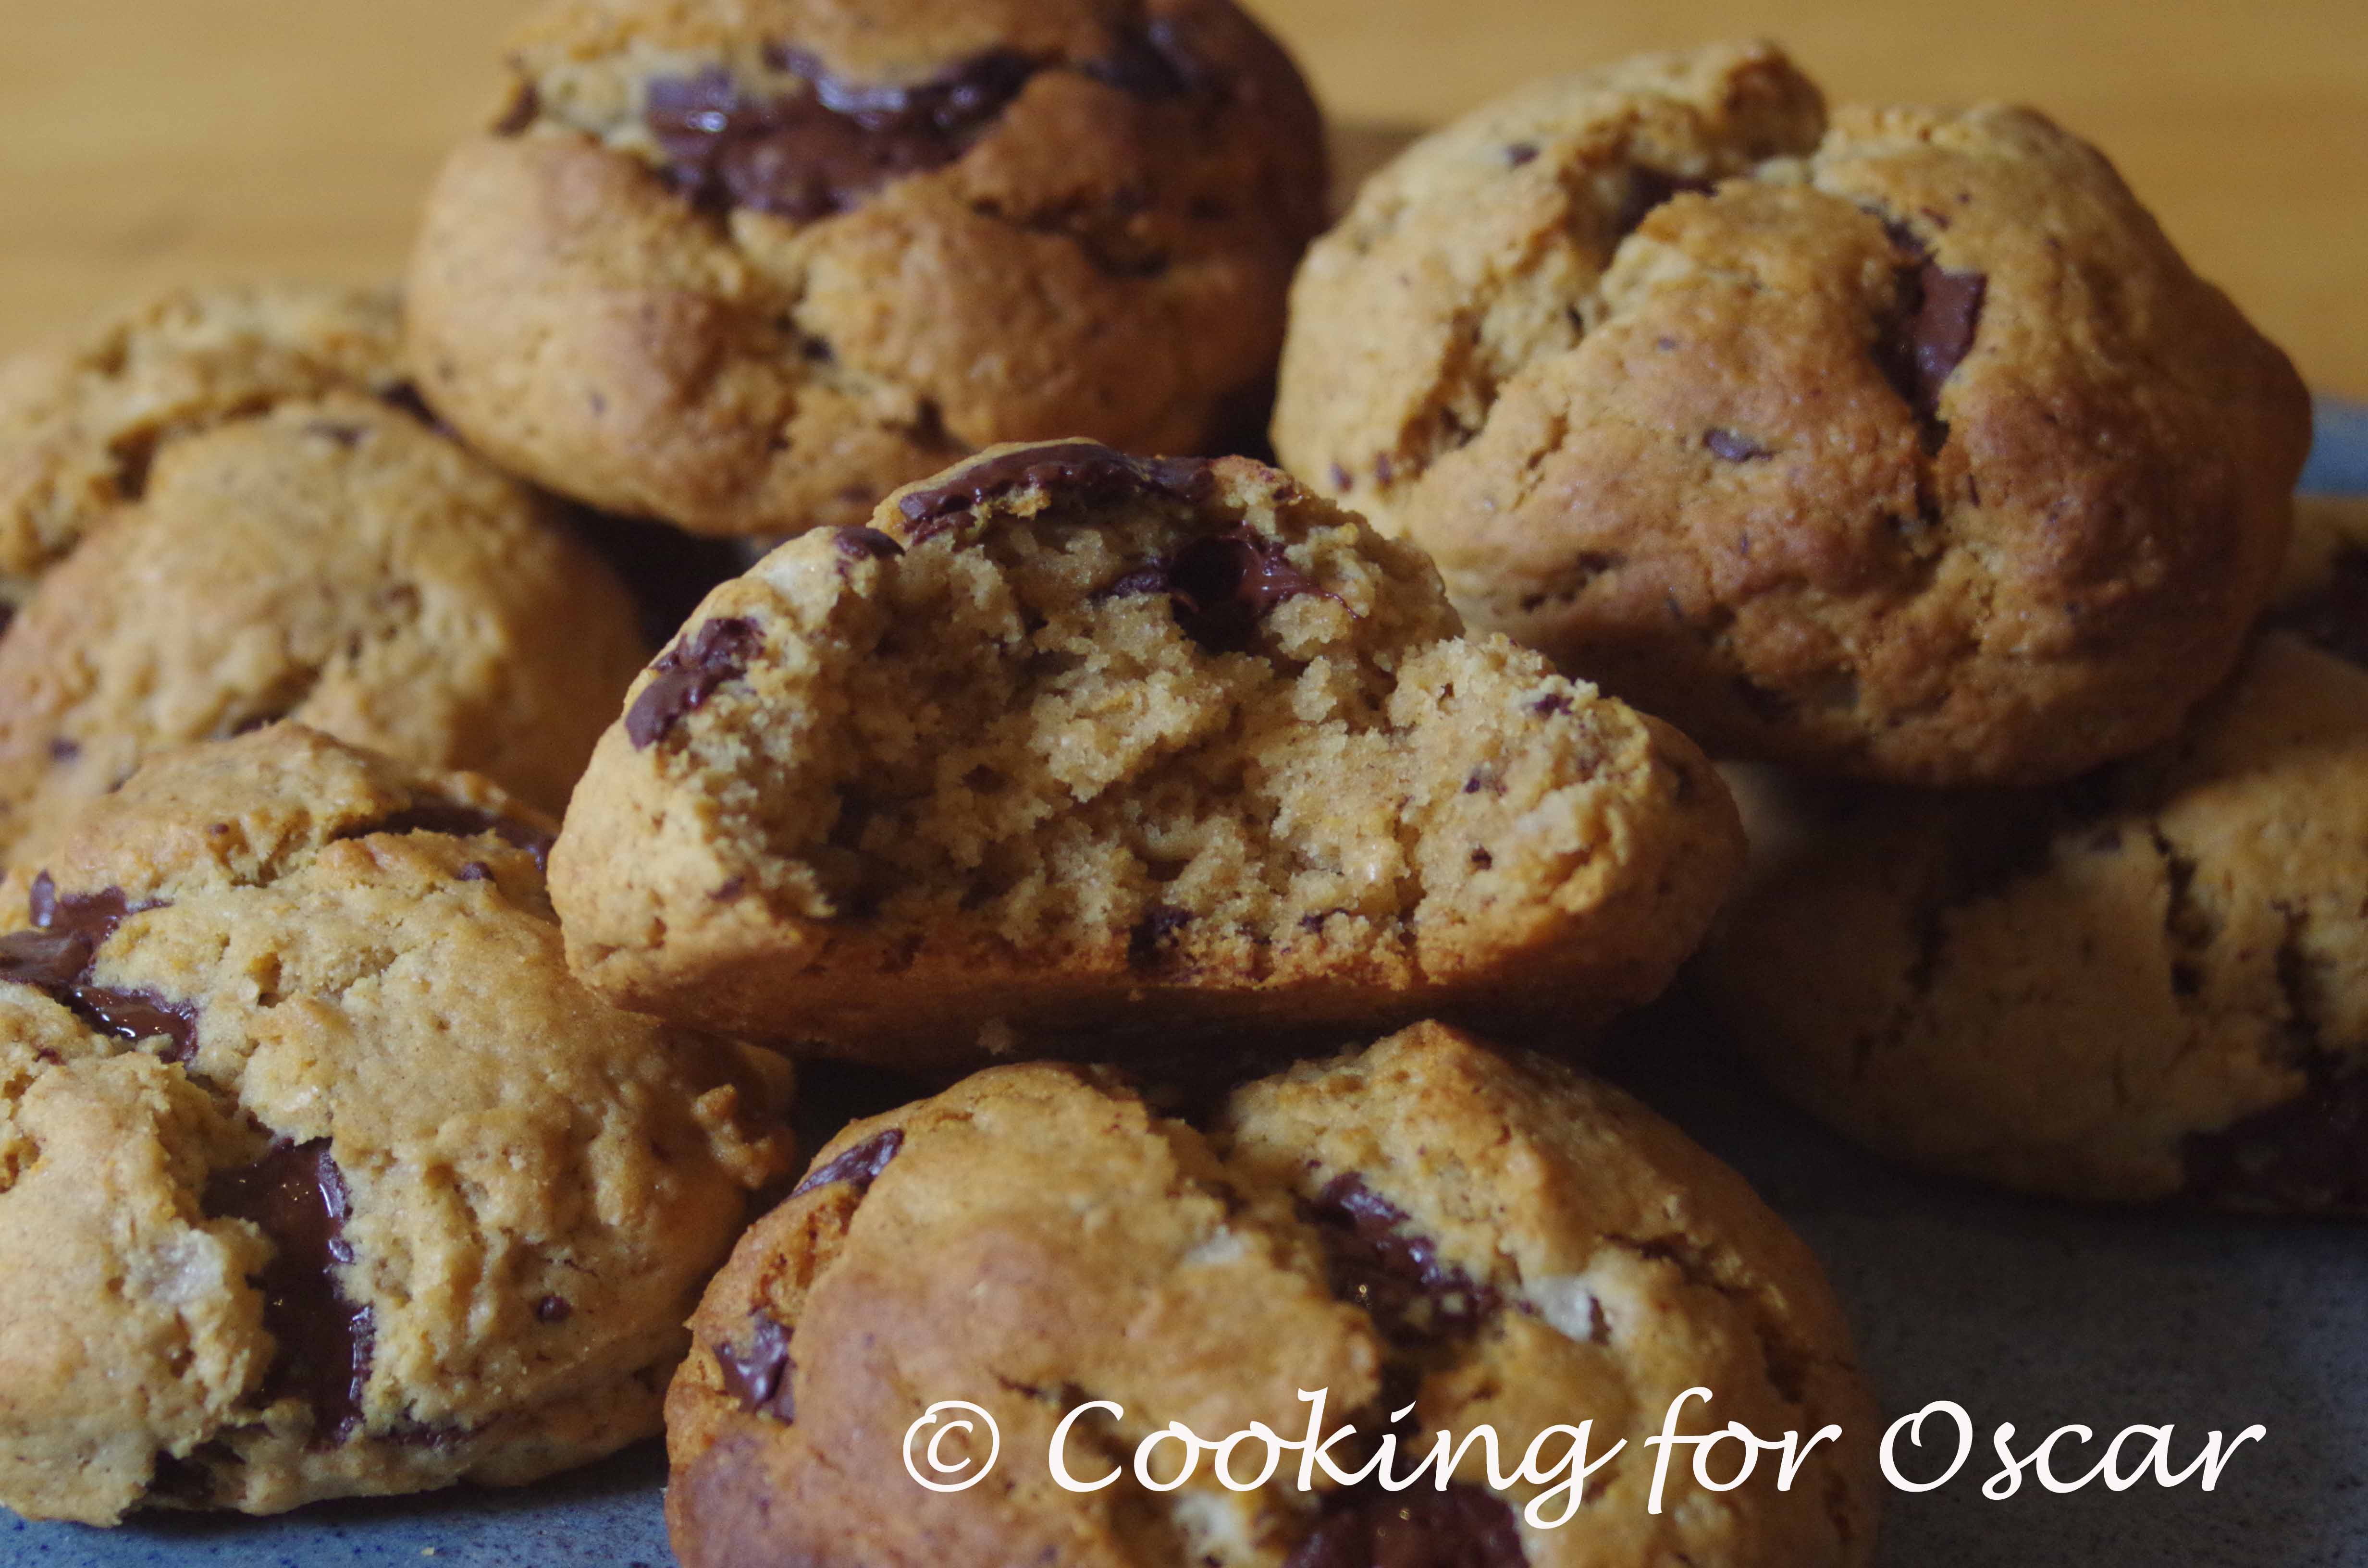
pixel 2033 1313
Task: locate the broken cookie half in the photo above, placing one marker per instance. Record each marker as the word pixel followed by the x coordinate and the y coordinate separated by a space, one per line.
pixel 1069 733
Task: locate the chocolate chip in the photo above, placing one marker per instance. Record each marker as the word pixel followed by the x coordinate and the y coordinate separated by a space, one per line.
pixel 1391 1272
pixel 1551 705
pixel 1367 1526
pixel 859 1167
pixel 476 871
pixel 553 1309
pixel 687 674
pixel 57 955
pixel 1222 587
pixel 64 750
pixel 138 1015
pixel 1733 448
pixel 1341 479
pixel 1928 336
pixel 2335 617
pixel 858 544
pixel 297 1197
pixel 1086 472
pixel 2309 1154
pixel 1647 189
pixel 457 821
pixel 1153 59
pixel 809 156
pixel 1153 940
pixel 759 1377
pixel 1521 153
pixel 524 108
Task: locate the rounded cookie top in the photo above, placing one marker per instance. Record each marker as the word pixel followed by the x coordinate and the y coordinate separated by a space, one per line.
pixel 1435 1236
pixel 1072 730
pixel 750 267
pixel 81 421
pixel 1900 444
pixel 2152 984
pixel 318 1175
pixel 331 560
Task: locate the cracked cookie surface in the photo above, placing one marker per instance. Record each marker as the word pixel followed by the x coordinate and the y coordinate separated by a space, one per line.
pixel 748 268
pixel 1082 747
pixel 81 421
pixel 1490 1239
pixel 319 1176
pixel 2152 984
pixel 334 561
pixel 1897 443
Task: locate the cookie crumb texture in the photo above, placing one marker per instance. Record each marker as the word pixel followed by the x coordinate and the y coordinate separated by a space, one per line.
pixel 318 1176
pixel 1081 743
pixel 2152 984
pixel 334 561
pixel 1489 1240
pixel 1897 443
pixel 81 421
pixel 748 268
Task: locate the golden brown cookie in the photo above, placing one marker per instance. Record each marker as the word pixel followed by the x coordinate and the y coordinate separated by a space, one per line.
pixel 1168 748
pixel 81 421
pixel 749 267
pixel 2150 983
pixel 318 1175
pixel 1436 1236
pixel 334 561
pixel 1899 445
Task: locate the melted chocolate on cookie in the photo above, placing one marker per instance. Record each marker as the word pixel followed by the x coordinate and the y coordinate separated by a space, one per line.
pixel 860 1166
pixel 1222 587
pixel 56 958
pixel 1086 472
pixel 809 156
pixel 296 1196
pixel 759 1375
pixel 1930 332
pixel 1393 1272
pixel 688 675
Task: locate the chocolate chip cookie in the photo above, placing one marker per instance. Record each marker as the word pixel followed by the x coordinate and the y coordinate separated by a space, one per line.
pixel 747 267
pixel 1898 444
pixel 318 1175
pixel 2152 984
pixel 1436 1236
pixel 81 421
pixel 1073 744
pixel 331 560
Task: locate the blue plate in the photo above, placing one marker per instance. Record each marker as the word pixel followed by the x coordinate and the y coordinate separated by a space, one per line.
pixel 2038 1314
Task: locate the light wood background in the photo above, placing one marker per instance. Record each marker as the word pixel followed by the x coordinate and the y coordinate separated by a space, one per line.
pixel 147 140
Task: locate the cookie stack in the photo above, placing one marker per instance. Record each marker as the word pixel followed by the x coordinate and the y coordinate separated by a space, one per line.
pixel 1125 838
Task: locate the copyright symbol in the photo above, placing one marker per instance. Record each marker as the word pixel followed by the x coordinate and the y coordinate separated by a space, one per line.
pixel 931 1417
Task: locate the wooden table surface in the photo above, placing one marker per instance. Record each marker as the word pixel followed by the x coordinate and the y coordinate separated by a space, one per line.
pixel 147 140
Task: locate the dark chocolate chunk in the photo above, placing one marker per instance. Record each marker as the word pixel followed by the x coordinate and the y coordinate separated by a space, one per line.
pixel 687 674
pixel 1733 448
pixel 759 1375
pixel 1222 587
pixel 524 108
pixel 859 1167
pixel 1521 153
pixel 2335 616
pixel 476 871
pixel 57 955
pixel 553 1309
pixel 855 544
pixel 457 821
pixel 1152 60
pixel 64 750
pixel 809 156
pixel 296 1196
pixel 138 1015
pixel 1365 1527
pixel 1392 1273
pixel 1550 705
pixel 1153 939
pixel 1647 189
pixel 2307 1155
pixel 1084 471
pixel 1928 336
